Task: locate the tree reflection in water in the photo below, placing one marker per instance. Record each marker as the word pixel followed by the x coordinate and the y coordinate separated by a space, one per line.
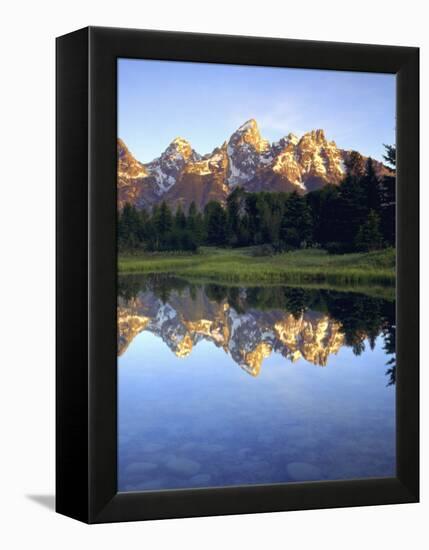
pixel 362 318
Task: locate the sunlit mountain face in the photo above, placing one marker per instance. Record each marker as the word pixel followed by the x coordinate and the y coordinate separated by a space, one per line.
pixel 251 324
pixel 180 175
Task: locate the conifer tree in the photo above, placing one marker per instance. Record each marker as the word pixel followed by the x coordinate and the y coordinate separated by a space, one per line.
pixel 369 237
pixel 195 224
pixel 215 221
pixel 129 227
pixel 388 198
pixel 371 185
pixel 390 155
pixel 179 220
pixel 296 225
pixel 388 208
pixel 233 206
pixel 351 211
pixel 192 217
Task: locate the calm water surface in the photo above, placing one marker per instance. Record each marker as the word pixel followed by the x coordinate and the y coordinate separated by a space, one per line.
pixel 229 386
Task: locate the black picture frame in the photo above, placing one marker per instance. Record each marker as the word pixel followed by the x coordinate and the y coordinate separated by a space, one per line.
pixel 86 463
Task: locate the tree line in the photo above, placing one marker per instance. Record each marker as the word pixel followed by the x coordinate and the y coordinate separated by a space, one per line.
pixel 356 215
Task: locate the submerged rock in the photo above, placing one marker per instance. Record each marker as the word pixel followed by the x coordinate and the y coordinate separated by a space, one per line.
pixel 152 447
pixel 152 484
pixel 302 471
pixel 183 466
pixel 140 467
pixel 201 480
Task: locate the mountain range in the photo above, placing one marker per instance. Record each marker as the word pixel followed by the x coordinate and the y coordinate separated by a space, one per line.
pixel 180 175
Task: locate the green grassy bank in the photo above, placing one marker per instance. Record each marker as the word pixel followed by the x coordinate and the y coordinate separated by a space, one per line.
pixel 242 266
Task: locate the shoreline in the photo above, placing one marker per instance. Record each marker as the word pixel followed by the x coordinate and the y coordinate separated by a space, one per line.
pixel 310 266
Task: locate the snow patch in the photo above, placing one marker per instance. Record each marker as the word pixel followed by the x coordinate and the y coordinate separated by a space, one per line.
pixel 164 181
pixel 165 313
pixel 135 175
pixel 236 176
pixel 266 160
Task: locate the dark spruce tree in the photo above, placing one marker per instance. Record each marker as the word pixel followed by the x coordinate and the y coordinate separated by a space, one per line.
pixel 234 206
pixel 129 228
pixel 325 208
pixel 352 211
pixel 390 155
pixel 163 219
pixel 163 225
pixel 371 185
pixel 195 224
pixel 296 227
pixel 179 220
pixel 388 199
pixel 369 237
pixel 215 223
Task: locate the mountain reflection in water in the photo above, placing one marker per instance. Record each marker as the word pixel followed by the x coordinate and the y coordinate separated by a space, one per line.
pixel 251 323
pixel 313 399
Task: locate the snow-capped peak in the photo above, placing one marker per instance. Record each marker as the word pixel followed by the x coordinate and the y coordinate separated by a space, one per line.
pixel 247 150
pixel 166 169
pixel 180 142
pixel 179 146
pixel 245 159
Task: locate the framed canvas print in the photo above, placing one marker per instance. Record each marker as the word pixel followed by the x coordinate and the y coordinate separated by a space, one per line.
pixel 237 275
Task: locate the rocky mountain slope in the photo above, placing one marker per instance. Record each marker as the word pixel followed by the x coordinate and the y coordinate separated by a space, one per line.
pixel 181 175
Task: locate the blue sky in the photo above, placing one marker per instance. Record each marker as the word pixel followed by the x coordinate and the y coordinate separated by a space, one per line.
pixel 206 103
